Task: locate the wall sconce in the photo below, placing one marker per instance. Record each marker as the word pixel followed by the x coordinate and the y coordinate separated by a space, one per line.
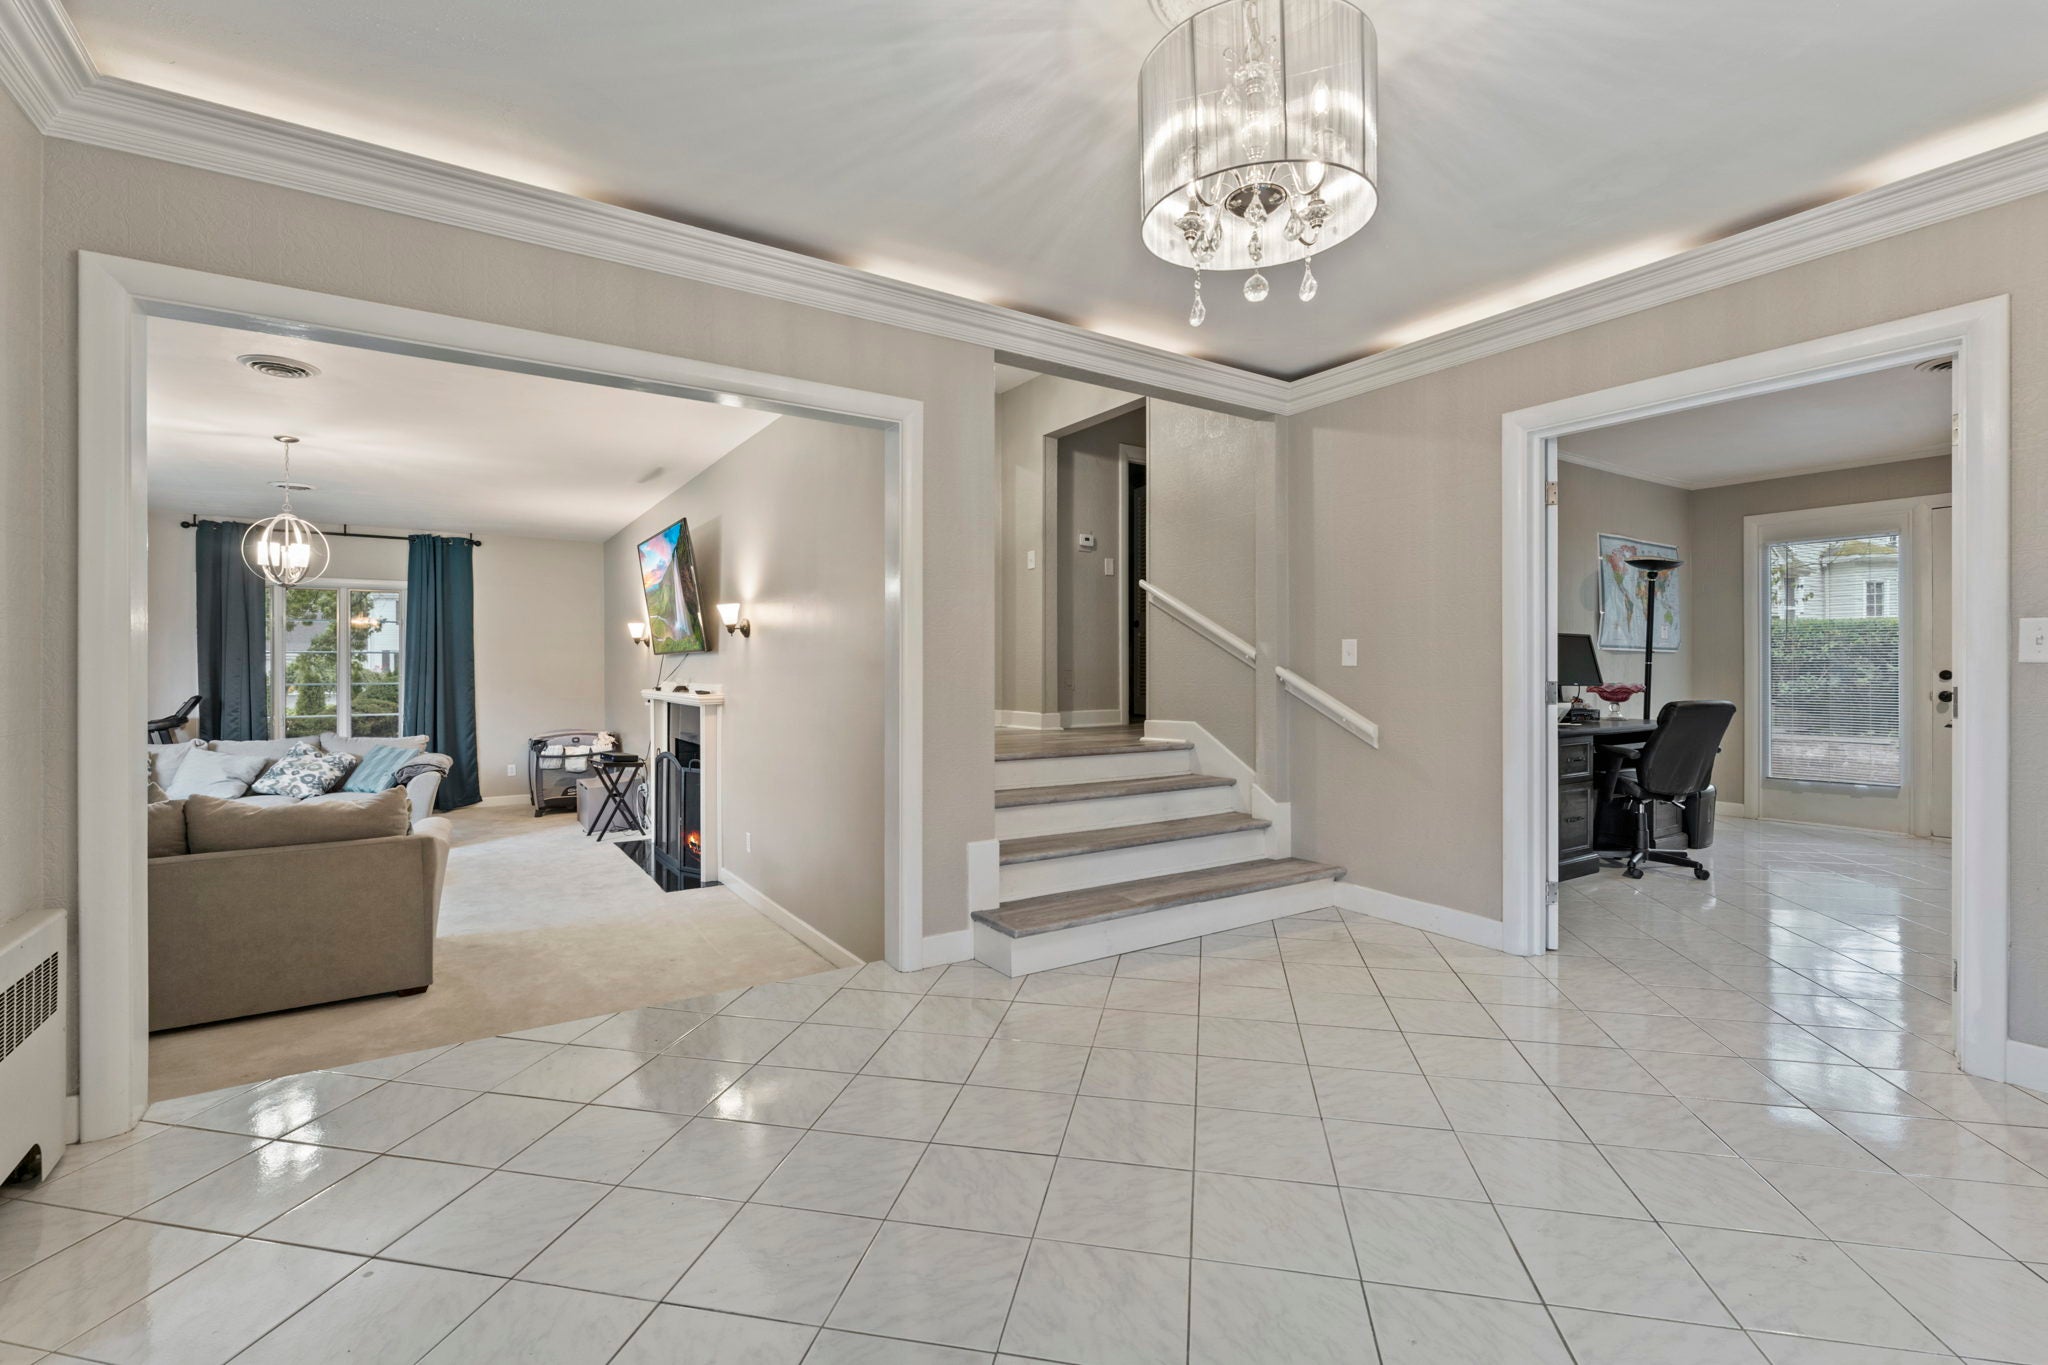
pixel 638 630
pixel 729 612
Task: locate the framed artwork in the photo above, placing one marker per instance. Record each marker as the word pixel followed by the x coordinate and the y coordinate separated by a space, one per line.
pixel 1624 596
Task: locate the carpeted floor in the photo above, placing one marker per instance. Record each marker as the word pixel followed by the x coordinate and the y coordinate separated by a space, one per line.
pixel 538 925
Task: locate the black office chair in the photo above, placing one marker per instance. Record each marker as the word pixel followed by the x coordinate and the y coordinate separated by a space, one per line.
pixel 1675 766
pixel 164 729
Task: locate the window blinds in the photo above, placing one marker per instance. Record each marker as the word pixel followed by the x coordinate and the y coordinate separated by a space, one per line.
pixel 1832 667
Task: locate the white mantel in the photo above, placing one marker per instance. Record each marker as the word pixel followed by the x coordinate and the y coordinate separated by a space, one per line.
pixel 662 726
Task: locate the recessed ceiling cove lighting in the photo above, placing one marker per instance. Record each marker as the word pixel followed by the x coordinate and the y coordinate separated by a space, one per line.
pixel 277 366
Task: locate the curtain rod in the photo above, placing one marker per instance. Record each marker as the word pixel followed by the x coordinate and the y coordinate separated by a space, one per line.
pixel 344 531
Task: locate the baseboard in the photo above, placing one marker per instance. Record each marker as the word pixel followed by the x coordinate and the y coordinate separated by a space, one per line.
pixel 2025 1064
pixel 984 874
pixel 1027 720
pixel 940 949
pixel 1462 925
pixel 509 799
pixel 1733 810
pixel 806 934
pixel 1081 720
pixel 1214 757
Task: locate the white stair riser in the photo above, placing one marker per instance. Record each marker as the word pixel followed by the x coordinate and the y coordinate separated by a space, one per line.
pixel 1134 933
pixel 1051 772
pixel 1113 812
pixel 1083 870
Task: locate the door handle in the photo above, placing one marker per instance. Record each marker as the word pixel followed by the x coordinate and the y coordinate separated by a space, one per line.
pixel 1945 695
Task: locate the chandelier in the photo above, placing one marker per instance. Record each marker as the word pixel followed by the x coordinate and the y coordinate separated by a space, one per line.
pixel 1261 138
pixel 285 549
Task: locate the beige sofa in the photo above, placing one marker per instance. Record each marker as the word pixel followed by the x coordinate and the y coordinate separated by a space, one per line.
pixel 422 789
pixel 253 930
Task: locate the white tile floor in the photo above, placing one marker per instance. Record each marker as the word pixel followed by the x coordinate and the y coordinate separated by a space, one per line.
pixel 1722 1125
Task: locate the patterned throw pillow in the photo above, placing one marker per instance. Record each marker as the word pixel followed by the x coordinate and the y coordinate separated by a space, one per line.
pixel 304 771
pixel 377 767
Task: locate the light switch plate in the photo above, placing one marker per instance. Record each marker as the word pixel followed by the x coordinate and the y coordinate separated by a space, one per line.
pixel 1109 567
pixel 1350 659
pixel 2034 639
pixel 1031 559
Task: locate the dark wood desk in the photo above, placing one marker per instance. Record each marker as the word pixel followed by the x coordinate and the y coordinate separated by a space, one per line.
pixel 1578 796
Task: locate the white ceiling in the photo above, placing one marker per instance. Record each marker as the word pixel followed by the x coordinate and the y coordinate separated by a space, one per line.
pixel 1896 414
pixel 421 445
pixel 989 149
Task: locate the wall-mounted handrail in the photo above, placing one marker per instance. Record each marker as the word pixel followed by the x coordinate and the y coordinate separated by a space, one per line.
pixel 1322 701
pixel 1200 624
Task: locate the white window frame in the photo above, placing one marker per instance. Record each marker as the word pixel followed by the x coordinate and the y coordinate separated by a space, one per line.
pixel 342 687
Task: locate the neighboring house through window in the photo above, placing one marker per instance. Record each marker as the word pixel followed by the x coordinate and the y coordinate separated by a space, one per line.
pixel 338 668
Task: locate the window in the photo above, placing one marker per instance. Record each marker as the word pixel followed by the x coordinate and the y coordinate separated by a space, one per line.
pixel 1833 663
pixel 338 667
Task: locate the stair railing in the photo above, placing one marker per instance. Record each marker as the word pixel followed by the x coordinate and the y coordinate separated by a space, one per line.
pixel 1200 624
pixel 1344 717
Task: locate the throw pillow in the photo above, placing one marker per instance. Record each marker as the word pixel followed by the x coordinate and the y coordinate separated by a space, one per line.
pixel 213 826
pixel 165 758
pixel 157 793
pixel 207 773
pixel 304 771
pixel 167 829
pixel 361 745
pixel 373 773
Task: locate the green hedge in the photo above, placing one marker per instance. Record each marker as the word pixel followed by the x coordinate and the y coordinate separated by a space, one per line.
pixel 1823 670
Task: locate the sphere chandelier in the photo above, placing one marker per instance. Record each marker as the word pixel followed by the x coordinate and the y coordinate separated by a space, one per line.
pixel 285 549
pixel 1260 138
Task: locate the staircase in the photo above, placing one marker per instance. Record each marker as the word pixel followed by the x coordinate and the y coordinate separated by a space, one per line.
pixel 1111 843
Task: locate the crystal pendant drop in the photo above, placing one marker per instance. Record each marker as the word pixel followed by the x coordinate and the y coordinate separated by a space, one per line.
pixel 1255 287
pixel 1199 311
pixel 1308 281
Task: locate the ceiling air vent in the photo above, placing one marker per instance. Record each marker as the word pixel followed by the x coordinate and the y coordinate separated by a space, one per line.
pixel 277 366
pixel 1939 365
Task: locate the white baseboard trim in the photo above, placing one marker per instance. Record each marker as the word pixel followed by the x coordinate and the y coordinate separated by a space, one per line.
pixel 1081 720
pixel 957 946
pixel 509 799
pixel 2025 1064
pixel 1027 720
pixel 809 936
pixel 984 875
pixel 1731 810
pixel 1462 925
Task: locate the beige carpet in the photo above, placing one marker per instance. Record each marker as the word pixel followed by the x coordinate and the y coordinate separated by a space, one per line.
pixel 538 925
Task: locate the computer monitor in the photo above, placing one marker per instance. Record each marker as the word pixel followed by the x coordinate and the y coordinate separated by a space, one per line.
pixel 1577 664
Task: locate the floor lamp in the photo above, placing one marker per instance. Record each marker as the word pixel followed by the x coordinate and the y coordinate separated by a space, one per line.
pixel 1654 570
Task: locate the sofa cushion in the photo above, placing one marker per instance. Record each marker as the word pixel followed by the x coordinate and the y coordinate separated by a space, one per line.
pixel 271 800
pixel 306 771
pixel 214 826
pixel 361 745
pixel 167 829
pixel 378 767
pixel 206 772
pixel 165 758
pixel 269 749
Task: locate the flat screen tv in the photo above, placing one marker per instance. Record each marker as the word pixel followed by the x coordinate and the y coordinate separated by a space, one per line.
pixel 668 575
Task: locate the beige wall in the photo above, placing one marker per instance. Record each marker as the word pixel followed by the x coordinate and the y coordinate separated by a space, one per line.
pixel 1087 622
pixel 29 647
pixel 1203 472
pixel 1716 565
pixel 1395 514
pixel 539 652
pixel 1026 602
pixel 1592 503
pixel 132 206
pixel 788 524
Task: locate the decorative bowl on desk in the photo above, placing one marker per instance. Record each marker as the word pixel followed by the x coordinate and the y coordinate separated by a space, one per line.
pixel 1616 695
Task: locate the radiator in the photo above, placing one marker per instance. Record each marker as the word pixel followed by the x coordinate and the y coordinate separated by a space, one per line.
pixel 34 1054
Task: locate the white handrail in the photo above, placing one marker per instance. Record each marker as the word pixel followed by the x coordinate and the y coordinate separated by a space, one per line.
pixel 1202 625
pixel 1322 701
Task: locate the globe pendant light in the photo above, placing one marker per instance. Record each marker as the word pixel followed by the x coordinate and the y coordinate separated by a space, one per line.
pixel 285 549
pixel 1260 132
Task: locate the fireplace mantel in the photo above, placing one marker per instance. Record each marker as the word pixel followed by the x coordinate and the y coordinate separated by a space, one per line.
pixel 666 718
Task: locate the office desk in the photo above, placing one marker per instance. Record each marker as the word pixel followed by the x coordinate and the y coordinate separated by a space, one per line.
pixel 1578 798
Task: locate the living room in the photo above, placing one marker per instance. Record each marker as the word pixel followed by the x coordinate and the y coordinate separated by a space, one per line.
pixel 486 900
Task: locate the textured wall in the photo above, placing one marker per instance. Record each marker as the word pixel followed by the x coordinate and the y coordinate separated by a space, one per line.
pixel 132 206
pixel 789 525
pixel 1203 473
pixel 30 648
pixel 1395 520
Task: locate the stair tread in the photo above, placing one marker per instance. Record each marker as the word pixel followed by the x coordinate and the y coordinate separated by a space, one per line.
pixel 1071 746
pixel 1070 909
pixel 1039 847
pixel 1010 797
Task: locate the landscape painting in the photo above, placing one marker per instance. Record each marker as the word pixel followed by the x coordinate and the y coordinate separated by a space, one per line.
pixel 668 577
pixel 1624 595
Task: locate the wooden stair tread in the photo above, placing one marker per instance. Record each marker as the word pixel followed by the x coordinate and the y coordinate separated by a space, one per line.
pixel 1070 909
pixel 1010 797
pixel 1068 744
pixel 1039 847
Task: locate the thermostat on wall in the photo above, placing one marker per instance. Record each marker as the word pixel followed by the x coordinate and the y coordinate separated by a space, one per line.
pixel 1087 540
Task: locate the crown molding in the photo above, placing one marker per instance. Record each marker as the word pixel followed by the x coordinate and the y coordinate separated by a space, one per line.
pixel 45 67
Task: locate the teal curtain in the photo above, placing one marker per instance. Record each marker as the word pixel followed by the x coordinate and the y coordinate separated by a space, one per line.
pixel 234 685
pixel 440 659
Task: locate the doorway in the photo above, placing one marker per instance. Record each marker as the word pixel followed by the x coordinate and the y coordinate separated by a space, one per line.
pixel 1133 595
pixel 1090 636
pixel 1973 338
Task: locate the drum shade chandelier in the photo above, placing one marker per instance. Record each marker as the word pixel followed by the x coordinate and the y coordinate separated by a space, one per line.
pixel 1260 138
pixel 285 549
